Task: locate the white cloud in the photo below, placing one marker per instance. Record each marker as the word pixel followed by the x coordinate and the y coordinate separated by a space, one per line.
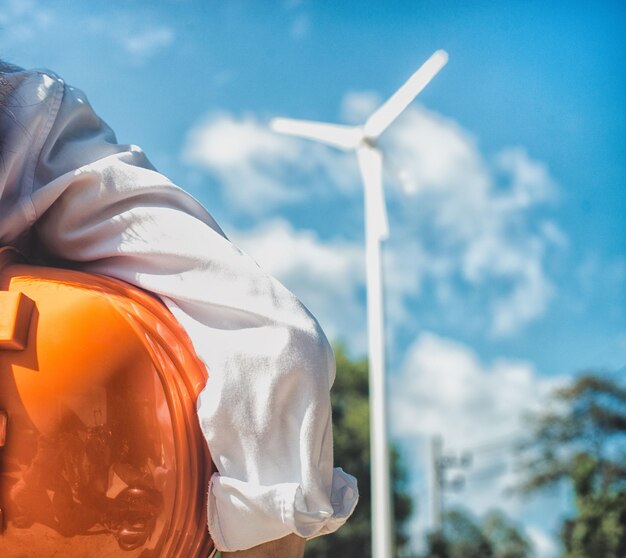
pixel 145 43
pixel 22 20
pixel 544 544
pixel 475 211
pixel 300 27
pixel 530 181
pixel 553 233
pixel 444 389
pixel 136 33
pixel 259 170
pixel 489 258
pixel 469 229
pixel 26 20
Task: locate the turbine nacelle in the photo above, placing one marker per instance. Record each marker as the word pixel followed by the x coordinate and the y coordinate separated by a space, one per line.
pixel 368 141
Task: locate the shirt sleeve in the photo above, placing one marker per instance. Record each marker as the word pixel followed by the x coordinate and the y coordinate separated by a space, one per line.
pixel 265 411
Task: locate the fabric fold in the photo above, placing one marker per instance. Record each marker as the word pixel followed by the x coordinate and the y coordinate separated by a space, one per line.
pixel 243 515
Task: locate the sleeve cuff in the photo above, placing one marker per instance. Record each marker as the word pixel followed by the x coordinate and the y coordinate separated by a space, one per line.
pixel 242 515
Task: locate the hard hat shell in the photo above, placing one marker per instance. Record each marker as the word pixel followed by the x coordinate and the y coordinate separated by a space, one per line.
pixel 101 452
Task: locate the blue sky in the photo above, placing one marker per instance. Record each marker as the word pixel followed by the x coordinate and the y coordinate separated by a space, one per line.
pixel 506 269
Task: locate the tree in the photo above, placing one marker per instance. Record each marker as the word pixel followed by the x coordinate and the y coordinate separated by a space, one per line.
pixel 350 401
pixel 582 441
pixel 464 536
pixel 600 526
pixel 505 537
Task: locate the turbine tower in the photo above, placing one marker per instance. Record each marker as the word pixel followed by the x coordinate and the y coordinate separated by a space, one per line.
pixel 362 139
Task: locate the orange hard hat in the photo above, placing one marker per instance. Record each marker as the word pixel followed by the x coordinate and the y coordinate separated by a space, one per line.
pixel 101 452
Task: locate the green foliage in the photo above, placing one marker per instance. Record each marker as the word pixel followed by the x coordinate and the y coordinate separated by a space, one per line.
pixel 350 400
pixel 463 536
pixel 590 419
pixel 505 537
pixel 583 442
pixel 599 528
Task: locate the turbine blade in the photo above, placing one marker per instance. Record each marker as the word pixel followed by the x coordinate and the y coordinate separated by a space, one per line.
pixel 391 109
pixel 371 167
pixel 337 135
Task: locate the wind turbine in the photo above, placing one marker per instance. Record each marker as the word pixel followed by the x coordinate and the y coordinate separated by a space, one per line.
pixel 362 139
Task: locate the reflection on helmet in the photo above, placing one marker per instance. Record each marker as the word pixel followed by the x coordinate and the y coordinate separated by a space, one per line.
pixel 101 453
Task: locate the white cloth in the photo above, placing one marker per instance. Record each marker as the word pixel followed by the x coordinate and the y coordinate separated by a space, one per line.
pixel 69 191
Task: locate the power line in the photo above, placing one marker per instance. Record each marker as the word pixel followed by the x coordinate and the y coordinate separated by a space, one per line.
pixel 442 463
pixel 488 473
pixel 499 444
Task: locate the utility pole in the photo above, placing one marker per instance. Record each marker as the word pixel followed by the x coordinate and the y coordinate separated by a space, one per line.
pixel 439 466
pixel 436 482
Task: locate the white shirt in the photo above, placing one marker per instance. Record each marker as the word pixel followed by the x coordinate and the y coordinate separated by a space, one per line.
pixel 68 190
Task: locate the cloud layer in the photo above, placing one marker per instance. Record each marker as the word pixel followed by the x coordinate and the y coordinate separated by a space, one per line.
pixel 22 20
pixel 444 389
pixel 260 171
pixel 134 32
pixel 473 225
pixel 477 212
